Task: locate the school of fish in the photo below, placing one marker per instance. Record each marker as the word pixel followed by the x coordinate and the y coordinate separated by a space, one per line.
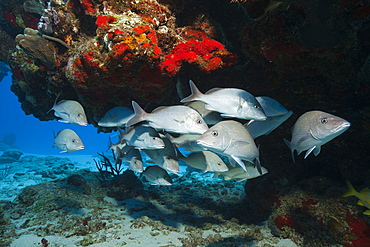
pixel 213 132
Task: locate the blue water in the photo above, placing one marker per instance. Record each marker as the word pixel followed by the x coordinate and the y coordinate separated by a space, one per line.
pixel 35 136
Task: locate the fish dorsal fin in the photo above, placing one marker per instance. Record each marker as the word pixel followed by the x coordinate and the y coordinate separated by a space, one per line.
pixel 213 90
pixel 365 191
pixel 360 203
pixel 55 103
pixel 195 93
pixel 159 108
pixel 140 115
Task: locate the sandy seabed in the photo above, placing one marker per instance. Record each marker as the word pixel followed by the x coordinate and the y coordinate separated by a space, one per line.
pixel 60 201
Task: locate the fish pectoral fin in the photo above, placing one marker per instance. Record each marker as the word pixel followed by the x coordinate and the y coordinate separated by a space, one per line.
pixel 232 162
pixel 227 115
pixel 367 212
pixel 240 162
pixel 62 121
pixel 360 203
pixel 317 150
pixel 309 151
pixel 239 144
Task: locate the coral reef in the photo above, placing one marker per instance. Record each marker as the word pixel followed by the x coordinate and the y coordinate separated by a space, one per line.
pixel 86 50
pixel 313 212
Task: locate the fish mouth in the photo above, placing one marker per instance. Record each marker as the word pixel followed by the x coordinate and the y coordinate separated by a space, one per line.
pixel 342 127
pixel 202 143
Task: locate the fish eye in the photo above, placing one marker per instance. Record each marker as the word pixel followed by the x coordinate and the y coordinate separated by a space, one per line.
pixel 256 106
pixel 169 158
pixel 74 140
pixel 79 115
pixel 219 163
pixel 324 120
pixel 199 121
pixel 214 133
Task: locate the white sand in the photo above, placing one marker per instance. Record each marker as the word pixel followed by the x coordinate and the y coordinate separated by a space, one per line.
pixel 119 230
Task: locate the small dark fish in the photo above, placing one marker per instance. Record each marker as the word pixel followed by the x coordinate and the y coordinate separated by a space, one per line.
pixel 157 175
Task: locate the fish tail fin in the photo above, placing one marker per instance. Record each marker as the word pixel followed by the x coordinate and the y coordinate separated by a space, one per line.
pixel 195 93
pixel 139 116
pixel 290 147
pixel 351 190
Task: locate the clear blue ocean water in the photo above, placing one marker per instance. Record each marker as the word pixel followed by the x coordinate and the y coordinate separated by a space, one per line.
pixel 35 136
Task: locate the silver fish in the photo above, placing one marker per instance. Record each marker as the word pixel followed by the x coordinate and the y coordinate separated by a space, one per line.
pixel 165 157
pixel 259 128
pixel 230 102
pixel 186 141
pixel 116 117
pixel 241 174
pixel 313 129
pixel 206 161
pixel 157 175
pixel 232 139
pixel 142 137
pixel 70 111
pixel 133 157
pixel 178 119
pixel 271 106
pixel 68 141
pixel 210 117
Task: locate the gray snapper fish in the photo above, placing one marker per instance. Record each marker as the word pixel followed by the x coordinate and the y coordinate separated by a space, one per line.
pixel 210 117
pixel 68 141
pixel 142 137
pixel 116 117
pixel 271 106
pixel 206 161
pixel 70 111
pixel 178 119
pixel 313 129
pixel 230 102
pixel 186 141
pixel 165 157
pixel 157 175
pixel 241 174
pixel 259 128
pixel 133 157
pixel 232 139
